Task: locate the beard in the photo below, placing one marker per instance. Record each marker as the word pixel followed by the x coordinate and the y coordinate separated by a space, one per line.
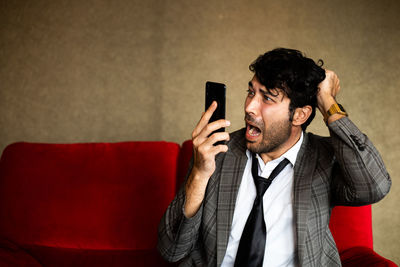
pixel 273 137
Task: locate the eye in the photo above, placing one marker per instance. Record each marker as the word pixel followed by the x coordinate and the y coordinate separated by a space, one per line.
pixel 250 92
pixel 267 98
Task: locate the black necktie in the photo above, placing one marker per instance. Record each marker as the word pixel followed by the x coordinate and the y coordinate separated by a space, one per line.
pixel 252 243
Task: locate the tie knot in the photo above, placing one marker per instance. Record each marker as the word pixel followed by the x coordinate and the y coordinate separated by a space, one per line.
pixel 262 185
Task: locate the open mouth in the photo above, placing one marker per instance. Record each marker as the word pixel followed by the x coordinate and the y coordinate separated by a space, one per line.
pixel 252 130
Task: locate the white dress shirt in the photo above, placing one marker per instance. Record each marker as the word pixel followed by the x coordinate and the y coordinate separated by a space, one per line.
pixel 278 211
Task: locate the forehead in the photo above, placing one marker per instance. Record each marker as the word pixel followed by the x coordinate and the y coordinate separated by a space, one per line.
pixel 254 82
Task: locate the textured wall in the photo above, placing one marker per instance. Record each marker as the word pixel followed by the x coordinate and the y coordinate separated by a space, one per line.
pixel 79 71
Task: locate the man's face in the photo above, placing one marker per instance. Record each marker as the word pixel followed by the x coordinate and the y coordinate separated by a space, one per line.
pixel 267 118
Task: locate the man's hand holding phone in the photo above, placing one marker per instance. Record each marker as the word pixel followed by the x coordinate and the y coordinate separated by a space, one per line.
pixel 204 152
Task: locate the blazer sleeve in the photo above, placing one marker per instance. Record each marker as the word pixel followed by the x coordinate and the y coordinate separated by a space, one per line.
pixel 177 234
pixel 359 174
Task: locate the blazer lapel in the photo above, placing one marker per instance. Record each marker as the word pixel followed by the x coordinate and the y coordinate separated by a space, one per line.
pixel 231 176
pixel 303 173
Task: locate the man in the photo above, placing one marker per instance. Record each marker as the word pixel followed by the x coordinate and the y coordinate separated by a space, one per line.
pixel 221 217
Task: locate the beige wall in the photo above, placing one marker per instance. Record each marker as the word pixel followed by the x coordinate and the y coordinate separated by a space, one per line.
pixel 79 71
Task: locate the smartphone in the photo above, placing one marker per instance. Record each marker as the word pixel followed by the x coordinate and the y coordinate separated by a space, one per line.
pixel 216 92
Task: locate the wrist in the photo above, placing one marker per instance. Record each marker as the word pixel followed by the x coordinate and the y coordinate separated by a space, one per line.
pixel 195 190
pixel 192 204
pixel 197 178
pixel 324 103
pixel 335 112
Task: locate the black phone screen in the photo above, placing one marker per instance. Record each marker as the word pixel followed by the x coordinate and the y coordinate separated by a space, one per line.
pixel 216 92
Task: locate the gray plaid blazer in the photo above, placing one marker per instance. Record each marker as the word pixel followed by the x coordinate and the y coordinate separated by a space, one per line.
pixel 343 169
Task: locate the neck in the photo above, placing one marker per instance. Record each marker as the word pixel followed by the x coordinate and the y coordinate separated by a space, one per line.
pixel 283 148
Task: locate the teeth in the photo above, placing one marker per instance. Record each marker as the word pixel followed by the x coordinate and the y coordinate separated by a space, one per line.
pixel 254 131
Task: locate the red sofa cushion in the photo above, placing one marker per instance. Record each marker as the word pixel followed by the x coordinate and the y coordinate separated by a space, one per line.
pixel 11 255
pixel 86 196
pixel 365 257
pixel 66 257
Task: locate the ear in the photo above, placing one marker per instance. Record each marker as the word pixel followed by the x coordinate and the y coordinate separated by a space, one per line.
pixel 301 115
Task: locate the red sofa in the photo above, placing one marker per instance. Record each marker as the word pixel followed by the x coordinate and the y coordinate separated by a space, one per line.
pixel 99 204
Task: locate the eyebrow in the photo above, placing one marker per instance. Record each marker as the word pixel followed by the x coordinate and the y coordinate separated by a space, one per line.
pixel 262 90
pixel 265 92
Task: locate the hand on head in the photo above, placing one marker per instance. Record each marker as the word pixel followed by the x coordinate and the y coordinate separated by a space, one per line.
pixel 328 89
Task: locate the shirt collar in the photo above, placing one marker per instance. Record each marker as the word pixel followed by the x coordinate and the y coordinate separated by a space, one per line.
pixel 291 154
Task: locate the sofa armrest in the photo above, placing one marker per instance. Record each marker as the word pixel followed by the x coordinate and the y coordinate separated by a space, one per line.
pixel 363 256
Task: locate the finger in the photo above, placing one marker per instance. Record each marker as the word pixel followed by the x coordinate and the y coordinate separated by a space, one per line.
pixel 210 151
pixel 219 148
pixel 328 73
pixel 204 119
pixel 195 129
pixel 337 85
pixel 216 137
pixel 206 134
pixel 211 127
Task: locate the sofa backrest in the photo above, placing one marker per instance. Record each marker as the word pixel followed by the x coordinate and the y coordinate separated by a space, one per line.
pixel 110 195
pixel 184 161
pixel 94 196
pixel 351 227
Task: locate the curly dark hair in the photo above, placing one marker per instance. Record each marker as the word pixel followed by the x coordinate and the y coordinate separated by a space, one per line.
pixel 296 75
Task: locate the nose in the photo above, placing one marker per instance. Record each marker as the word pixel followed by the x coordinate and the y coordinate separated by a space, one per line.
pixel 252 105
